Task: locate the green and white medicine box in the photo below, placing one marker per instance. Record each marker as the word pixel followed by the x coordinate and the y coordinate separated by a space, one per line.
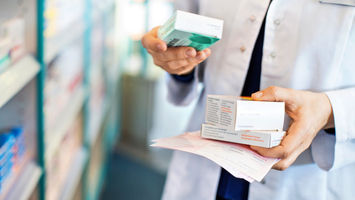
pixel 187 29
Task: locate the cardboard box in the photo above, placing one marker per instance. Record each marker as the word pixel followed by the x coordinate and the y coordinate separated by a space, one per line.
pixel 236 113
pixel 265 139
pixel 15 30
pixel 187 29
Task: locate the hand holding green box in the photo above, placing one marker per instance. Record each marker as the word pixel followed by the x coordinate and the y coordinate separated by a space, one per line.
pixel 187 29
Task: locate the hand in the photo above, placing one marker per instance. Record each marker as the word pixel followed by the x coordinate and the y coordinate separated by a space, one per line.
pixel 174 60
pixel 310 112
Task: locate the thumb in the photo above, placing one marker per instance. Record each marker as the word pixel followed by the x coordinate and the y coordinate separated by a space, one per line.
pixel 273 93
pixel 150 41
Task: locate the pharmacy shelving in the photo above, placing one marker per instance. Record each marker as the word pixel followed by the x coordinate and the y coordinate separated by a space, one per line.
pixel 75 173
pixel 26 182
pixel 55 44
pixel 96 128
pixel 23 97
pixel 16 77
pixel 49 48
pixel 54 135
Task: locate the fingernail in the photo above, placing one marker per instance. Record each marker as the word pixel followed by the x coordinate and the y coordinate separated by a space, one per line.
pixel 200 57
pixel 160 47
pixel 189 53
pixel 207 52
pixel 257 95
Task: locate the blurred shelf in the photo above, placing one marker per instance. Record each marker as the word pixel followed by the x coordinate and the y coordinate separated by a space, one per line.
pixel 101 182
pixel 25 183
pixel 16 77
pixel 103 8
pixel 75 173
pixel 55 44
pixel 54 135
pixel 95 131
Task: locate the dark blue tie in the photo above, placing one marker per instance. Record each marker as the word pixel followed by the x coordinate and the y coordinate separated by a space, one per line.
pixel 230 187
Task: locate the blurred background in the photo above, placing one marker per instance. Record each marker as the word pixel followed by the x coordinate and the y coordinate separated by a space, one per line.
pixel 80 100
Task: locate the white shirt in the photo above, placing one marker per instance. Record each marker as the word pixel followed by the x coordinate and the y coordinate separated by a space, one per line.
pixel 308 45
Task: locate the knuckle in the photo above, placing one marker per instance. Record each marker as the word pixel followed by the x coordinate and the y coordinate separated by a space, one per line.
pixel 160 56
pixel 170 65
pixel 150 51
pixel 181 71
pixel 181 53
pixel 286 154
pixel 192 61
pixel 176 53
pixel 184 62
pixel 283 166
pixel 274 89
pixel 156 63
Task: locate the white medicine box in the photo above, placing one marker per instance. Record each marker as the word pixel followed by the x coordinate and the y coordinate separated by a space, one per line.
pixel 237 113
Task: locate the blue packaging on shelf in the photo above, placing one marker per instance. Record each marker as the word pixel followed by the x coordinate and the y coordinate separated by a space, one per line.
pixel 7 141
pixel 19 148
pixel 8 157
pixel 6 170
pixel 18 132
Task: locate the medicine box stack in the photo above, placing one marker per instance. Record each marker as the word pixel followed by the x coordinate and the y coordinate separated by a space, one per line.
pixel 12 151
pixel 187 29
pixel 238 120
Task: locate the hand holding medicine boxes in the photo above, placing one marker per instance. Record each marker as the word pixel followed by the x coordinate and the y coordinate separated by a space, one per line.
pixel 239 120
pixel 233 123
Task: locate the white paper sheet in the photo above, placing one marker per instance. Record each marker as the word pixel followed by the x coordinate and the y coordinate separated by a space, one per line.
pixel 237 159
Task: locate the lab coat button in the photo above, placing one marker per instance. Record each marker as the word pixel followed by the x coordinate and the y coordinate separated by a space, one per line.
pixel 277 22
pixel 273 55
pixel 242 49
pixel 252 18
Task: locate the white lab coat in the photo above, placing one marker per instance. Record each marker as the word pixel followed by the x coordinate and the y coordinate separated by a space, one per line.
pixel 308 46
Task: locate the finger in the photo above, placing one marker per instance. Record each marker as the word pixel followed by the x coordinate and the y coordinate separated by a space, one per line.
pixel 202 55
pixel 176 64
pixel 275 93
pixel 185 70
pixel 294 139
pixel 177 53
pixel 275 152
pixel 283 164
pixel 180 71
pixel 150 41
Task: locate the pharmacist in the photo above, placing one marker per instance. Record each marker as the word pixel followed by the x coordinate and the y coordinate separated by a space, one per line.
pixel 301 52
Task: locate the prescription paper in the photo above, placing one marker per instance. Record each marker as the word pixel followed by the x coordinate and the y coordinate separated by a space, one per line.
pixel 239 160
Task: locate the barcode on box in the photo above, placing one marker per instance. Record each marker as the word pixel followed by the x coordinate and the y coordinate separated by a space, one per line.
pixel 173 42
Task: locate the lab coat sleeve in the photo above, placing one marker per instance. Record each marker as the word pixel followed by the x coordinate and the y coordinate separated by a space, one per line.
pixel 187 5
pixel 330 151
pixel 182 94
